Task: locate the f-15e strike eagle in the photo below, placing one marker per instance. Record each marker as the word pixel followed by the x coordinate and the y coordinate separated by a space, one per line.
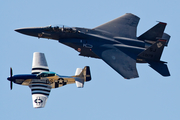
pixel 41 81
pixel 114 42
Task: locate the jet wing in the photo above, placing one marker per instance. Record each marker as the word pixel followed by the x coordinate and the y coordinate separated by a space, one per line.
pixel 121 61
pixel 124 26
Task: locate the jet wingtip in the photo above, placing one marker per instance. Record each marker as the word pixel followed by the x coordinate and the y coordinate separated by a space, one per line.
pixel 128 78
pixel 132 15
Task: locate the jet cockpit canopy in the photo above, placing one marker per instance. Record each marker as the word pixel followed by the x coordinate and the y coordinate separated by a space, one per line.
pixel 62 28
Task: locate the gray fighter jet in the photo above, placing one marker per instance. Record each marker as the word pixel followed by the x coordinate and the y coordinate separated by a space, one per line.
pixel 114 42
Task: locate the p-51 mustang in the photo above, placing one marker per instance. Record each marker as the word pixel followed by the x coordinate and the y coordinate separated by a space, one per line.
pixel 41 81
pixel 114 42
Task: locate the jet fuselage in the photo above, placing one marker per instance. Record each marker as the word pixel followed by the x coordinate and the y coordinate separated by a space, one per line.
pixel 82 40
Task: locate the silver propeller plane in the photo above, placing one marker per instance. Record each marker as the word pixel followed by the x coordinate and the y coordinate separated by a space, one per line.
pixel 114 42
pixel 41 81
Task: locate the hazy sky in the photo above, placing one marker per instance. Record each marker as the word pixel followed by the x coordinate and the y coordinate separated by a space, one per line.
pixel 108 96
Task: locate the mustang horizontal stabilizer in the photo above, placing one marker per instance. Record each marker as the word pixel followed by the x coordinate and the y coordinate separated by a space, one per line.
pixel 119 61
pixel 124 26
pixel 39 63
pixel 154 33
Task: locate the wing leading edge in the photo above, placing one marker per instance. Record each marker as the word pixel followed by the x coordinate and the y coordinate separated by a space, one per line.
pixel 40 93
pixel 120 61
pixel 124 26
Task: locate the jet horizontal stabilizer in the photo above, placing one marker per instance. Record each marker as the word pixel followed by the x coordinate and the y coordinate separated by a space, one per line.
pixel 160 67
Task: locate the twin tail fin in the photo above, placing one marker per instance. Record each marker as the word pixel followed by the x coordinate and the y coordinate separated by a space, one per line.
pixel 152 56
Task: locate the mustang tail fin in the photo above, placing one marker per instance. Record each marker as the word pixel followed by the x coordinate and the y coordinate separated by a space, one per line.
pixel 82 76
pixel 39 63
pixel 152 56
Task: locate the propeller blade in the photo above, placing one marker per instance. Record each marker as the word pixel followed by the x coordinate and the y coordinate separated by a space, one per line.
pixel 11 85
pixel 11 72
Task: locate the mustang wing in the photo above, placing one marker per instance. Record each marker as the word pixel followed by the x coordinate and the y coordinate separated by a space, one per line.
pixel 39 63
pixel 40 93
pixel 124 26
pixel 121 61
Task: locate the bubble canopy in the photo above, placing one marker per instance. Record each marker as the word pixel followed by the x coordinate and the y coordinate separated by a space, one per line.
pixel 62 28
pixel 47 74
pixel 59 25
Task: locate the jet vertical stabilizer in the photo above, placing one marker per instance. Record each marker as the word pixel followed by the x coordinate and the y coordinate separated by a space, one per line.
pixel 154 52
pixel 166 37
pixel 153 34
pixel 152 55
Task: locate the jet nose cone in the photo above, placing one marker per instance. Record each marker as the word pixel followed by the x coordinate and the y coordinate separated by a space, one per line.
pixel 26 31
pixel 30 31
pixel 19 30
